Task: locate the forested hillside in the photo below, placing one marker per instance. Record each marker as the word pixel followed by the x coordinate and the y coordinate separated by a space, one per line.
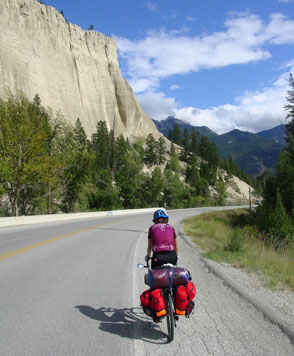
pixel 254 153
pixel 48 166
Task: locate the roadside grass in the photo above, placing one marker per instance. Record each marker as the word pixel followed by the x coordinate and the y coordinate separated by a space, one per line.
pixel 221 239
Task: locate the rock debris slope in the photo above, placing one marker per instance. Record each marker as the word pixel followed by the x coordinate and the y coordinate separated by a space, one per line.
pixel 74 71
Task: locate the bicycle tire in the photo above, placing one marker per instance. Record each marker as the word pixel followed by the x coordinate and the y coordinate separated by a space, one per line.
pixel 170 317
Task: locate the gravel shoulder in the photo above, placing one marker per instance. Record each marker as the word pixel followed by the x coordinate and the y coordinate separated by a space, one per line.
pixel 277 306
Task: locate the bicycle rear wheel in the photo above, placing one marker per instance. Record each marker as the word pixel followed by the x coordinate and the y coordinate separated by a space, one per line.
pixel 170 317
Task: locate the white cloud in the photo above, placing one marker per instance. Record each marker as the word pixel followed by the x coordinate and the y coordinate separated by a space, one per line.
pixel 157 105
pixel 151 6
pixel 163 54
pixel 253 111
pixel 246 38
pixel 174 87
pixel 280 30
pixel 289 64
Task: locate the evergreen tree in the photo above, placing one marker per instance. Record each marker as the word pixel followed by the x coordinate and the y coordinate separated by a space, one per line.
pixel 121 147
pixel 221 189
pixel 185 144
pixel 205 148
pixel 285 176
pixel 100 145
pixel 129 180
pixel 214 159
pixel 150 156
pixel 154 187
pixel 80 136
pixel 289 107
pixel 276 214
pixel 75 162
pixel 195 140
pixel 161 151
pixel 174 192
pixel 62 13
pixel 177 135
pixel 280 226
pixel 174 163
pixel 170 135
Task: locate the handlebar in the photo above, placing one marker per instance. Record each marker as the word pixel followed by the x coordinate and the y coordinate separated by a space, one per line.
pixel 147 259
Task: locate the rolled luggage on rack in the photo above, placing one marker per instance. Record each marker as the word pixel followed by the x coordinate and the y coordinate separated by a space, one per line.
pixel 163 277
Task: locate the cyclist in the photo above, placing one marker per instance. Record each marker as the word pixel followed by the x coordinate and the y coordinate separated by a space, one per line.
pixel 162 241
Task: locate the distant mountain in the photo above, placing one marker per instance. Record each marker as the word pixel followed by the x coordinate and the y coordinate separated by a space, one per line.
pixel 253 152
pixel 168 124
pixel 277 133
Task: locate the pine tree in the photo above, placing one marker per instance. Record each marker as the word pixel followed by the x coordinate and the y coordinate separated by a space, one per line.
pixel 289 128
pixel 150 154
pixel 100 144
pixel 121 147
pixel 185 144
pixel 161 150
pixel 170 135
pixel 80 136
pixel 279 223
pixel 154 187
pixel 195 139
pixel 177 135
pixel 285 176
pixel 174 163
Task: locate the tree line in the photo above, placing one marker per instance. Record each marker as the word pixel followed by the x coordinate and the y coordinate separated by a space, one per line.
pixel 275 216
pixel 196 145
pixel 48 165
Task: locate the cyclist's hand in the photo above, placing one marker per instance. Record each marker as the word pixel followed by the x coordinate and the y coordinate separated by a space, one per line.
pixel 147 258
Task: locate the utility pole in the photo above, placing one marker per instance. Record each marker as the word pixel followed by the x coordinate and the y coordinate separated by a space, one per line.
pixel 249 198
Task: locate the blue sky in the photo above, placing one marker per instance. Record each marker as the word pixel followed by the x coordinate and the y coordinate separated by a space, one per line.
pixel 224 64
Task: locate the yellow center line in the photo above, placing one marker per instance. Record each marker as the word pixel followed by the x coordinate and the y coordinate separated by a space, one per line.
pixel 27 248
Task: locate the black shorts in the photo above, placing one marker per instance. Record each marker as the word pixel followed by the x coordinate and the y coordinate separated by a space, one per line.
pixel 160 258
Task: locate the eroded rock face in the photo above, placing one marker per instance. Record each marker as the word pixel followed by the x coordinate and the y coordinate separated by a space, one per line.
pixel 74 71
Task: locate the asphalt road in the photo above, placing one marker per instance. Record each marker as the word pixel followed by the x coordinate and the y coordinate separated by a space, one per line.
pixel 73 288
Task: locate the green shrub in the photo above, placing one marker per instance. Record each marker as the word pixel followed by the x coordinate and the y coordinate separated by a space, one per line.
pixel 236 242
pixel 280 224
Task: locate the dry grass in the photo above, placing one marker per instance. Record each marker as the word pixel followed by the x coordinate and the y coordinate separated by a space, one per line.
pixel 220 240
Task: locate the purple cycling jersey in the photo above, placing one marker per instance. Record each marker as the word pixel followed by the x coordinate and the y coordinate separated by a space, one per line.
pixel 163 237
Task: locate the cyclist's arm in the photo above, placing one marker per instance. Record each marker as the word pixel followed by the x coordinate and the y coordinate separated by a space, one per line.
pixel 176 246
pixel 149 248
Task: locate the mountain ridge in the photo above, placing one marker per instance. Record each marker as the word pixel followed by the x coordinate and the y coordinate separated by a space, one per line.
pixel 169 123
pixel 253 152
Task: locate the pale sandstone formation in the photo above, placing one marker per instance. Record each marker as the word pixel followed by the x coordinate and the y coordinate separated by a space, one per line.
pixel 74 71
pixel 238 191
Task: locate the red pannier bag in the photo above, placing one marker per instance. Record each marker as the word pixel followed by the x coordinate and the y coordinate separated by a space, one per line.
pixel 184 299
pixel 191 290
pixel 145 298
pixel 157 303
pixel 152 302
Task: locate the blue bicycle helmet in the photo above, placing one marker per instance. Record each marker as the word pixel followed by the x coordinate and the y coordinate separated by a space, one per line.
pixel 159 214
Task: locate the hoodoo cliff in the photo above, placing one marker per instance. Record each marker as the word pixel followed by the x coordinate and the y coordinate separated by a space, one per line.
pixel 75 72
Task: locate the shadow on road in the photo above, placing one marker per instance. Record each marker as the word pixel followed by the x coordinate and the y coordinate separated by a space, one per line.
pixel 128 322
